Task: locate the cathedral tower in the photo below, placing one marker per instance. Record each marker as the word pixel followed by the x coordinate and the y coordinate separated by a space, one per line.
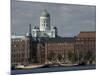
pixel 45 21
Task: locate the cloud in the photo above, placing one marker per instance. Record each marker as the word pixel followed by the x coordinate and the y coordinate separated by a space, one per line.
pixel 69 19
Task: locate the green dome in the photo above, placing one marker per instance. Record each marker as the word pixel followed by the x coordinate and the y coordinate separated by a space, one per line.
pixel 45 14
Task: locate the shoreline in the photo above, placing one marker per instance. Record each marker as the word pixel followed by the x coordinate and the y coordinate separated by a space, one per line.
pixel 48 66
pixel 54 69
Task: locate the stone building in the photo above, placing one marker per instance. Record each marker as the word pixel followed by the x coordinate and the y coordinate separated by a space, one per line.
pixel 54 49
pixel 85 46
pixel 20 52
pixel 44 50
pixel 23 49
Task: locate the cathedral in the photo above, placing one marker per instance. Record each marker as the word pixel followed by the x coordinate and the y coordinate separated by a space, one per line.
pixel 45 29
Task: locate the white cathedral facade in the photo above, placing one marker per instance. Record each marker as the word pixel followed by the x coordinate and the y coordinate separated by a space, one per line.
pixel 45 29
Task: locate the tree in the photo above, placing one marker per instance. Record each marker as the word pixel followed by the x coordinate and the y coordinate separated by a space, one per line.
pixel 89 57
pixel 60 57
pixel 72 56
pixel 51 56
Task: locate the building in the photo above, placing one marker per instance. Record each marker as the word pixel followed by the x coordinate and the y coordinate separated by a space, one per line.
pixel 23 49
pixel 85 46
pixel 54 49
pixel 45 30
pixel 20 52
pixel 42 45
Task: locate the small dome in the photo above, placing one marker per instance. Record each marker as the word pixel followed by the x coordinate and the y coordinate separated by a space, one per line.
pixel 54 27
pixel 45 14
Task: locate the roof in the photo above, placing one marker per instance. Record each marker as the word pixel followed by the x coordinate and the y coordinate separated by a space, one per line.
pixel 88 34
pixel 17 37
pixel 45 14
pixel 57 40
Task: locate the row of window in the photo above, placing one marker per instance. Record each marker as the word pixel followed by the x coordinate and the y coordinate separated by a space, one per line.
pixel 60 45
pixel 19 55
pixel 18 45
pixel 85 39
pixel 18 60
pixel 14 40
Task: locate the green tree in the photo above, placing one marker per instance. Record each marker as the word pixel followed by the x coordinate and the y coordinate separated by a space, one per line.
pixel 89 57
pixel 60 57
pixel 72 56
pixel 51 56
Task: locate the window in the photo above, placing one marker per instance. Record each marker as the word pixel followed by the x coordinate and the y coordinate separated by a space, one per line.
pixel 14 45
pixel 21 40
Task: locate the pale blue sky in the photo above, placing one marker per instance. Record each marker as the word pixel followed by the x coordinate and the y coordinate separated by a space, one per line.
pixel 69 19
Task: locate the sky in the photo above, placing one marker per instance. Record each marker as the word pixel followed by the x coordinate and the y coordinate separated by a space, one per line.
pixel 69 19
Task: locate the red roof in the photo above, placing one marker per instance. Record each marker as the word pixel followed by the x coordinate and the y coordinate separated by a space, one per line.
pixel 87 34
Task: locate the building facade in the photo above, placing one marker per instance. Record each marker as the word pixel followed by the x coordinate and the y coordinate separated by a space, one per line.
pixel 45 29
pixel 85 46
pixel 55 49
pixel 23 49
pixel 20 52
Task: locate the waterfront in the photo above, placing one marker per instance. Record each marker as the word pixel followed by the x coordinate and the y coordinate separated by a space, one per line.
pixel 54 69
